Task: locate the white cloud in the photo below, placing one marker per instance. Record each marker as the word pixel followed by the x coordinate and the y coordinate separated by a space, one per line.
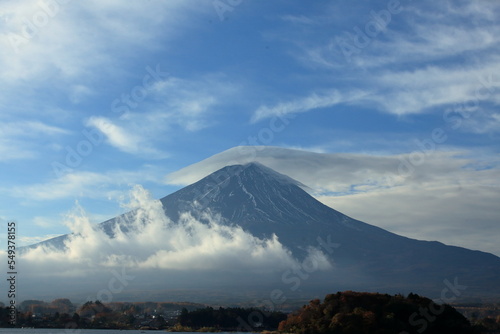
pixel 325 171
pixel 166 105
pixel 55 51
pixel 457 210
pixel 45 222
pixel 403 92
pixel 428 42
pixel 299 19
pixel 86 184
pixel 408 92
pixel 481 122
pixel 69 185
pixel 419 34
pixel 429 58
pixel 118 137
pixel 13 150
pixel 126 139
pixel 155 242
pixel 29 128
pixel 25 240
pixel 188 103
pixel 429 89
pixel 49 45
pixel 21 139
pixel 76 28
pixel 79 93
pixel 311 102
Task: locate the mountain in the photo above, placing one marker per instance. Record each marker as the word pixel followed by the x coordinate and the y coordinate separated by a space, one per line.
pixel 442 199
pixel 266 203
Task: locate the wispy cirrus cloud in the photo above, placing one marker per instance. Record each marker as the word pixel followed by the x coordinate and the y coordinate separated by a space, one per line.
pixel 483 123
pixel 101 27
pixel 30 129
pixel 417 35
pixel 171 106
pixel 25 241
pixel 23 139
pixel 405 92
pixel 79 184
pixel 35 53
pixel 311 102
pixel 189 103
pixel 126 140
pixel 85 184
pixel 422 90
pixel 412 66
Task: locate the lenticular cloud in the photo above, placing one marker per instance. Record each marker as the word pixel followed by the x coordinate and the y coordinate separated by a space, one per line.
pixel 146 239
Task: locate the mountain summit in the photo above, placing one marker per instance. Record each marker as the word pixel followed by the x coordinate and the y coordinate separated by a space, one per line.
pixel 266 203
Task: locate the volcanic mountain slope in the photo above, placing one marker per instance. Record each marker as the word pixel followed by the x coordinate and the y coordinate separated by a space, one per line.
pixel 264 202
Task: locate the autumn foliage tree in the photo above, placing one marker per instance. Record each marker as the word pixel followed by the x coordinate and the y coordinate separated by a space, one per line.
pixel 358 312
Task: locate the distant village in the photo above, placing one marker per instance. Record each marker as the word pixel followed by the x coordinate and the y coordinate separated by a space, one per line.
pixel 173 316
pixel 62 313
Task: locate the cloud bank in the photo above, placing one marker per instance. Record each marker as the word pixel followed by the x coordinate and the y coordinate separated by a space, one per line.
pixel 150 245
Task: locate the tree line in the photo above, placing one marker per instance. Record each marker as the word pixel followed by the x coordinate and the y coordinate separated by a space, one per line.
pixel 340 313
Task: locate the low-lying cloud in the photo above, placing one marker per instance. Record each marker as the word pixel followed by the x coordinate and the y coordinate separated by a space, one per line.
pixel 149 244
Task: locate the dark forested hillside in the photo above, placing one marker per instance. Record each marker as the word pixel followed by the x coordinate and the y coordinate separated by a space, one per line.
pixel 359 312
pixel 232 318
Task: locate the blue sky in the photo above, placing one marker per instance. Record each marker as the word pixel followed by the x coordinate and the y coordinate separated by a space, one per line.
pixel 102 95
